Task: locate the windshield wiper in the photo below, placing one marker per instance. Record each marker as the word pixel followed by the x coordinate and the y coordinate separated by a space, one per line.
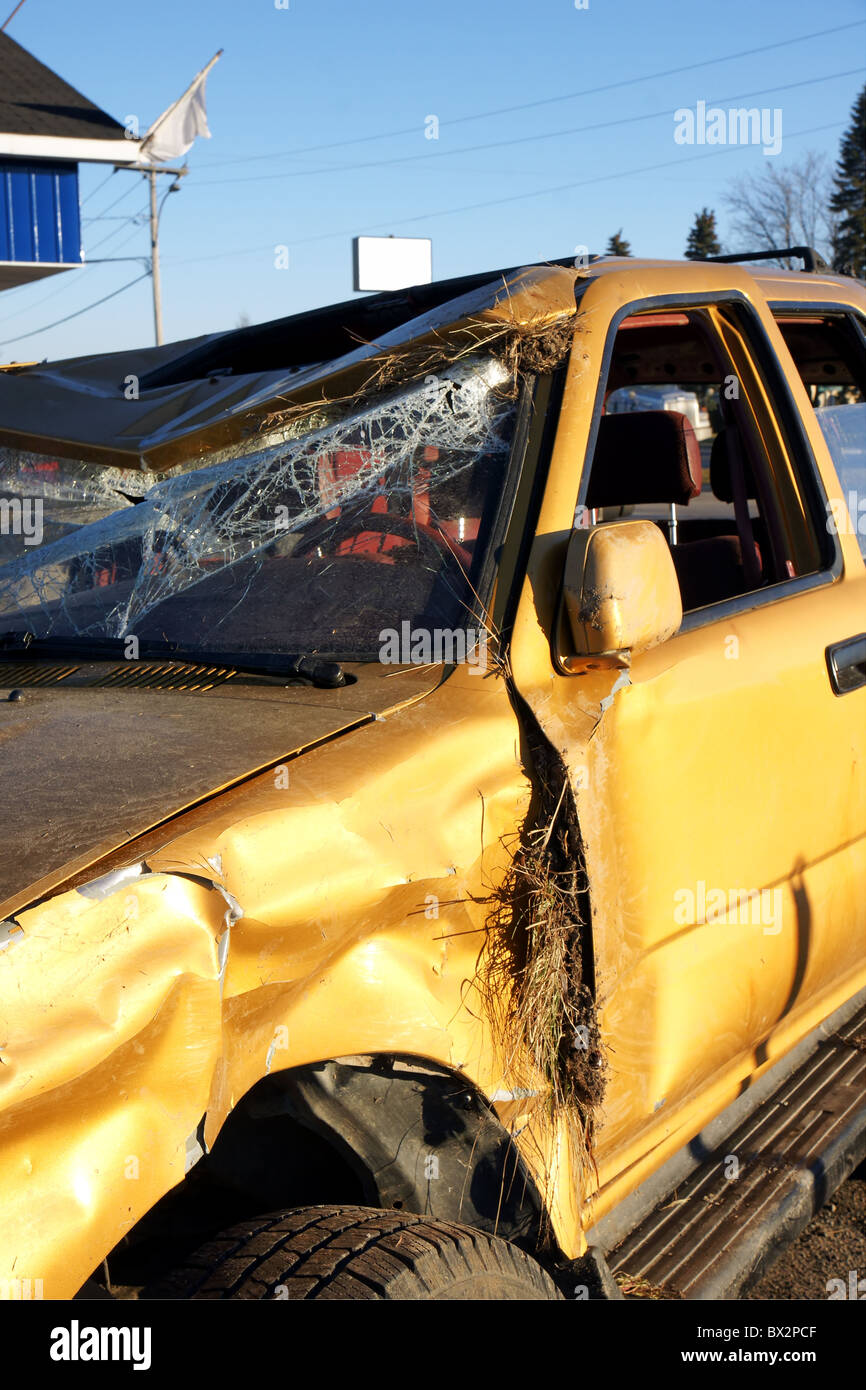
pixel 315 670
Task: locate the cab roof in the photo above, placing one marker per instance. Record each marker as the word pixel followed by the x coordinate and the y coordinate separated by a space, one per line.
pixel 207 392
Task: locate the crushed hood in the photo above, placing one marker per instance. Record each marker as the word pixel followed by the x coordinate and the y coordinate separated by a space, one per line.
pixel 101 766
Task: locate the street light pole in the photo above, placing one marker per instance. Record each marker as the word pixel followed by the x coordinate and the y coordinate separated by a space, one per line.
pixel 154 259
pixel 155 213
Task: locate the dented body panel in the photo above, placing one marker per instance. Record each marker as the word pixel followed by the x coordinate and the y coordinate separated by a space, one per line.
pixel 723 796
pixel 275 934
pixel 212 886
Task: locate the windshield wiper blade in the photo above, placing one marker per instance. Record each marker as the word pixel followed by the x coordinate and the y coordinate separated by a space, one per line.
pixel 15 643
pixel 314 669
pixel 317 670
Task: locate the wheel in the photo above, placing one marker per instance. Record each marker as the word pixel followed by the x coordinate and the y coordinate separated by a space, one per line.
pixel 356 1253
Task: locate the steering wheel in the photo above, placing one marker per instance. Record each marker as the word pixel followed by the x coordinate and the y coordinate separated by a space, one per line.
pixel 346 526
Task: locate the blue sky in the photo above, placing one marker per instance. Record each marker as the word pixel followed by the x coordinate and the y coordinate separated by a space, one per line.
pixel 333 72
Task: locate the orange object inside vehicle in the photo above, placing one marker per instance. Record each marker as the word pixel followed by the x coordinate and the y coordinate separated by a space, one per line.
pixel 336 469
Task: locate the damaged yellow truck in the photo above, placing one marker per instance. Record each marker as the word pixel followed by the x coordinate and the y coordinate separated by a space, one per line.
pixel 434 785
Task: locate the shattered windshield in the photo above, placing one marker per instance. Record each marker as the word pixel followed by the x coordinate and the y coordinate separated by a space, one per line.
pixel 312 538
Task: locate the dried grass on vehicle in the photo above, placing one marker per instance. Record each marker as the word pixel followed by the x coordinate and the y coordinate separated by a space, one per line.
pixel 534 345
pixel 536 972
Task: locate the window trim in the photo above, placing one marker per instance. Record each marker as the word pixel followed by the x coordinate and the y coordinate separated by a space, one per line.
pixel 510 556
pixel 793 432
pixel 856 318
pixel 811 307
pixel 515 467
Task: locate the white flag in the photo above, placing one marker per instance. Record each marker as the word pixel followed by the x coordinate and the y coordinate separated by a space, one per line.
pixel 173 132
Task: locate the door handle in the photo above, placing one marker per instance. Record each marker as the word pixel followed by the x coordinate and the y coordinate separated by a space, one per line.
pixel 846 664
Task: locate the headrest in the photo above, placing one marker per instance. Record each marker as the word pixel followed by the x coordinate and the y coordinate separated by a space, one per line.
pixel 720 469
pixel 644 456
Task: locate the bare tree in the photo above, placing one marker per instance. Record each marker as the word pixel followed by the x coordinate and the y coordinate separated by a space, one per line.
pixel 784 205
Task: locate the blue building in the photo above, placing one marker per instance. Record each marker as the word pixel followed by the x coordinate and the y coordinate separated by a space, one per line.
pixel 47 129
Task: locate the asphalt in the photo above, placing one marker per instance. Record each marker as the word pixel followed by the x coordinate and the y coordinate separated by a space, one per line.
pixel 832 1247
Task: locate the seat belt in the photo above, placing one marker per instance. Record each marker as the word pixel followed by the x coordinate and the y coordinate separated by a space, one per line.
pixel 751 567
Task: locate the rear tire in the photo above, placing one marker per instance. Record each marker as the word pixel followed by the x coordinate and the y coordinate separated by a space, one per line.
pixel 344 1252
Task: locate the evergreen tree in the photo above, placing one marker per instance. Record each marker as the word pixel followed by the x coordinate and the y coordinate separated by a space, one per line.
pixel 616 246
pixel 849 197
pixel 702 240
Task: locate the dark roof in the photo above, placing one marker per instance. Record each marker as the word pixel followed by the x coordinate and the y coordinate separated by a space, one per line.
pixel 35 101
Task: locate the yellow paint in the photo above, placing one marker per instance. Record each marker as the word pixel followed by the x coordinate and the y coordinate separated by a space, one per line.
pixel 620 587
pixel 127 1020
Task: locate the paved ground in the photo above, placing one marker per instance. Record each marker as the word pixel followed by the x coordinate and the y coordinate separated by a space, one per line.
pixel 832 1245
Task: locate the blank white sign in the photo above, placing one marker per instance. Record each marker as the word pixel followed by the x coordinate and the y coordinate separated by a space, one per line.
pixel 391 262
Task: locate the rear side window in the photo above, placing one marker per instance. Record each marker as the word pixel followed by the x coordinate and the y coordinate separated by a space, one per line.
pixel 829 353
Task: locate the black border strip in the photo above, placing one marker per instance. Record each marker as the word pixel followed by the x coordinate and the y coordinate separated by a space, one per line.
pixel 513 556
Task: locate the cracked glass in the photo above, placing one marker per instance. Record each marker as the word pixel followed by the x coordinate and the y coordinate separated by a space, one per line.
pixel 314 537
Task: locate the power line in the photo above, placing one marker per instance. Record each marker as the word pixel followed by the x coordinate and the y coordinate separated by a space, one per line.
pixel 7 22
pixel 95 190
pixel 114 231
pixel 546 101
pixel 20 289
pixel 67 282
pixel 125 194
pixel 120 245
pixel 86 310
pixel 107 217
pixel 582 183
pixel 427 156
pixel 497 202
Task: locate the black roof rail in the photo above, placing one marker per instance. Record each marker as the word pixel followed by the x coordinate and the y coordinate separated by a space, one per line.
pixel 812 260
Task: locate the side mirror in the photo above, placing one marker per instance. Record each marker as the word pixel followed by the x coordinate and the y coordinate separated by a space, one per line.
pixel 620 590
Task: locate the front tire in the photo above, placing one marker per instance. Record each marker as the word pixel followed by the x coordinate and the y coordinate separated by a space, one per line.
pixel 357 1253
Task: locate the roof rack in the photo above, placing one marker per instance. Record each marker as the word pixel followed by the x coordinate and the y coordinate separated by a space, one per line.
pixel 811 259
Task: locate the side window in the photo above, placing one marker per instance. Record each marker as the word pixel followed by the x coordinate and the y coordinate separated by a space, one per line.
pixel 688 439
pixel 829 353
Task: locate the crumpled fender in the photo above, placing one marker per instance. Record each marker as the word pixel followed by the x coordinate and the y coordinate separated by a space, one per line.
pixel 109 1035
pixel 334 911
